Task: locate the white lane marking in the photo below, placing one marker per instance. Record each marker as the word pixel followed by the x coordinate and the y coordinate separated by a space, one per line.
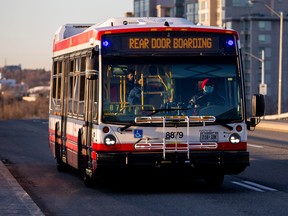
pixel 247 186
pixel 254 186
pixel 260 186
pixel 255 146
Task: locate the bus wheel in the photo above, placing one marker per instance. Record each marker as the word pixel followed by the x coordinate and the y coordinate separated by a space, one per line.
pixel 82 162
pixel 214 180
pixel 88 181
pixel 61 166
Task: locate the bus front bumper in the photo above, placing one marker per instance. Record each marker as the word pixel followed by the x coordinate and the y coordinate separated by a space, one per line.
pixel 232 162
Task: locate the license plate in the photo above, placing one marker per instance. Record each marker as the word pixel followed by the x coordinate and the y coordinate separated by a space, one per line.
pixel 208 136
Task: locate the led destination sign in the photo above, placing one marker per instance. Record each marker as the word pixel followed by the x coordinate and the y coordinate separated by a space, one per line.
pixel 179 42
pixel 171 43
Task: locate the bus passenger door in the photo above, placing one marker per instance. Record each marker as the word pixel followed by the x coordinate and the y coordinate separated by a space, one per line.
pixel 64 105
pixel 85 148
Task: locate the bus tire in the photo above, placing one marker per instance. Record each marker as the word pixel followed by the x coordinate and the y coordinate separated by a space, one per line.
pixel 82 162
pixel 214 180
pixel 88 181
pixel 61 166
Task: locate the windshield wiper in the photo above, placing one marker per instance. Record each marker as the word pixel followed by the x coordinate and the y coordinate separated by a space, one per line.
pixel 223 124
pixel 126 127
pixel 166 110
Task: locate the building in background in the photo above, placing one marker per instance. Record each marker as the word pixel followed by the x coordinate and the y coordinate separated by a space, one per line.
pixel 10 89
pixel 208 12
pixel 204 12
pixel 129 14
pixel 159 8
pixel 144 8
pixel 191 11
pixel 258 27
pixel 12 68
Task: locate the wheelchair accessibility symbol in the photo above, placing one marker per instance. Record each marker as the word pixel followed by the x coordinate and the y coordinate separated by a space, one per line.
pixel 138 133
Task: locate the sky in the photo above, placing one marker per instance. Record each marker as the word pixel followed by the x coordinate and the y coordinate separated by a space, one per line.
pixel 27 27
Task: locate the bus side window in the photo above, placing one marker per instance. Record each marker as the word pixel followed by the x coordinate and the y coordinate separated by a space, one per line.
pixel 81 96
pixel 76 88
pixel 75 94
pixel 56 83
pixel 54 86
pixel 70 86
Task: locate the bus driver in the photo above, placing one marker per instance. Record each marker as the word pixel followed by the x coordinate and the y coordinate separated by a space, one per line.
pixel 206 97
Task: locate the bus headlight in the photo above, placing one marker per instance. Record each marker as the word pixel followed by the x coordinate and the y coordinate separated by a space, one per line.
pixel 234 138
pixel 109 140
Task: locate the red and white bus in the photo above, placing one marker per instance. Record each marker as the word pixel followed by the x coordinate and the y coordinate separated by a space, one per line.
pixel 93 125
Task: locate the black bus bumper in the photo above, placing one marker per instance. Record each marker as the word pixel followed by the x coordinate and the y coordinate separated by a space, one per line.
pixel 232 162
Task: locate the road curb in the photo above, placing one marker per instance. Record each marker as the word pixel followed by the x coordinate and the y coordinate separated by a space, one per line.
pixel 11 189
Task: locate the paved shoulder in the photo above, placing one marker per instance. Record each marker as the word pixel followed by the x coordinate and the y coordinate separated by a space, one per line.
pixel 13 198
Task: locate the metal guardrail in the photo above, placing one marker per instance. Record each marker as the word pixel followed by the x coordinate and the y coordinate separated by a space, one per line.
pixel 273 125
pixel 276 116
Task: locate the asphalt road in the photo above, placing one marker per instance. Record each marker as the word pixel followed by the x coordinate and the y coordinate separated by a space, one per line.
pixel 260 190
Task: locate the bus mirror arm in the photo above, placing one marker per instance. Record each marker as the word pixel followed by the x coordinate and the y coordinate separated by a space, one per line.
pixel 251 124
pixel 95 52
pixel 92 64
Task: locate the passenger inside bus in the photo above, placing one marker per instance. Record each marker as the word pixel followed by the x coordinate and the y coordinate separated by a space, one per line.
pixel 206 97
pixel 134 97
pixel 129 81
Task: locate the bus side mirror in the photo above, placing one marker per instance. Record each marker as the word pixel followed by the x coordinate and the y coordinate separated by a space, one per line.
pixel 258 110
pixel 92 64
pixel 258 105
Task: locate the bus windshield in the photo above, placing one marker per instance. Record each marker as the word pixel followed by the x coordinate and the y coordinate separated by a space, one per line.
pixel 136 86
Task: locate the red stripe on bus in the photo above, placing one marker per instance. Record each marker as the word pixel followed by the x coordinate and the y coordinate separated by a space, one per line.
pixel 74 41
pixel 71 146
pixel 226 146
pixel 71 143
pixel 85 37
